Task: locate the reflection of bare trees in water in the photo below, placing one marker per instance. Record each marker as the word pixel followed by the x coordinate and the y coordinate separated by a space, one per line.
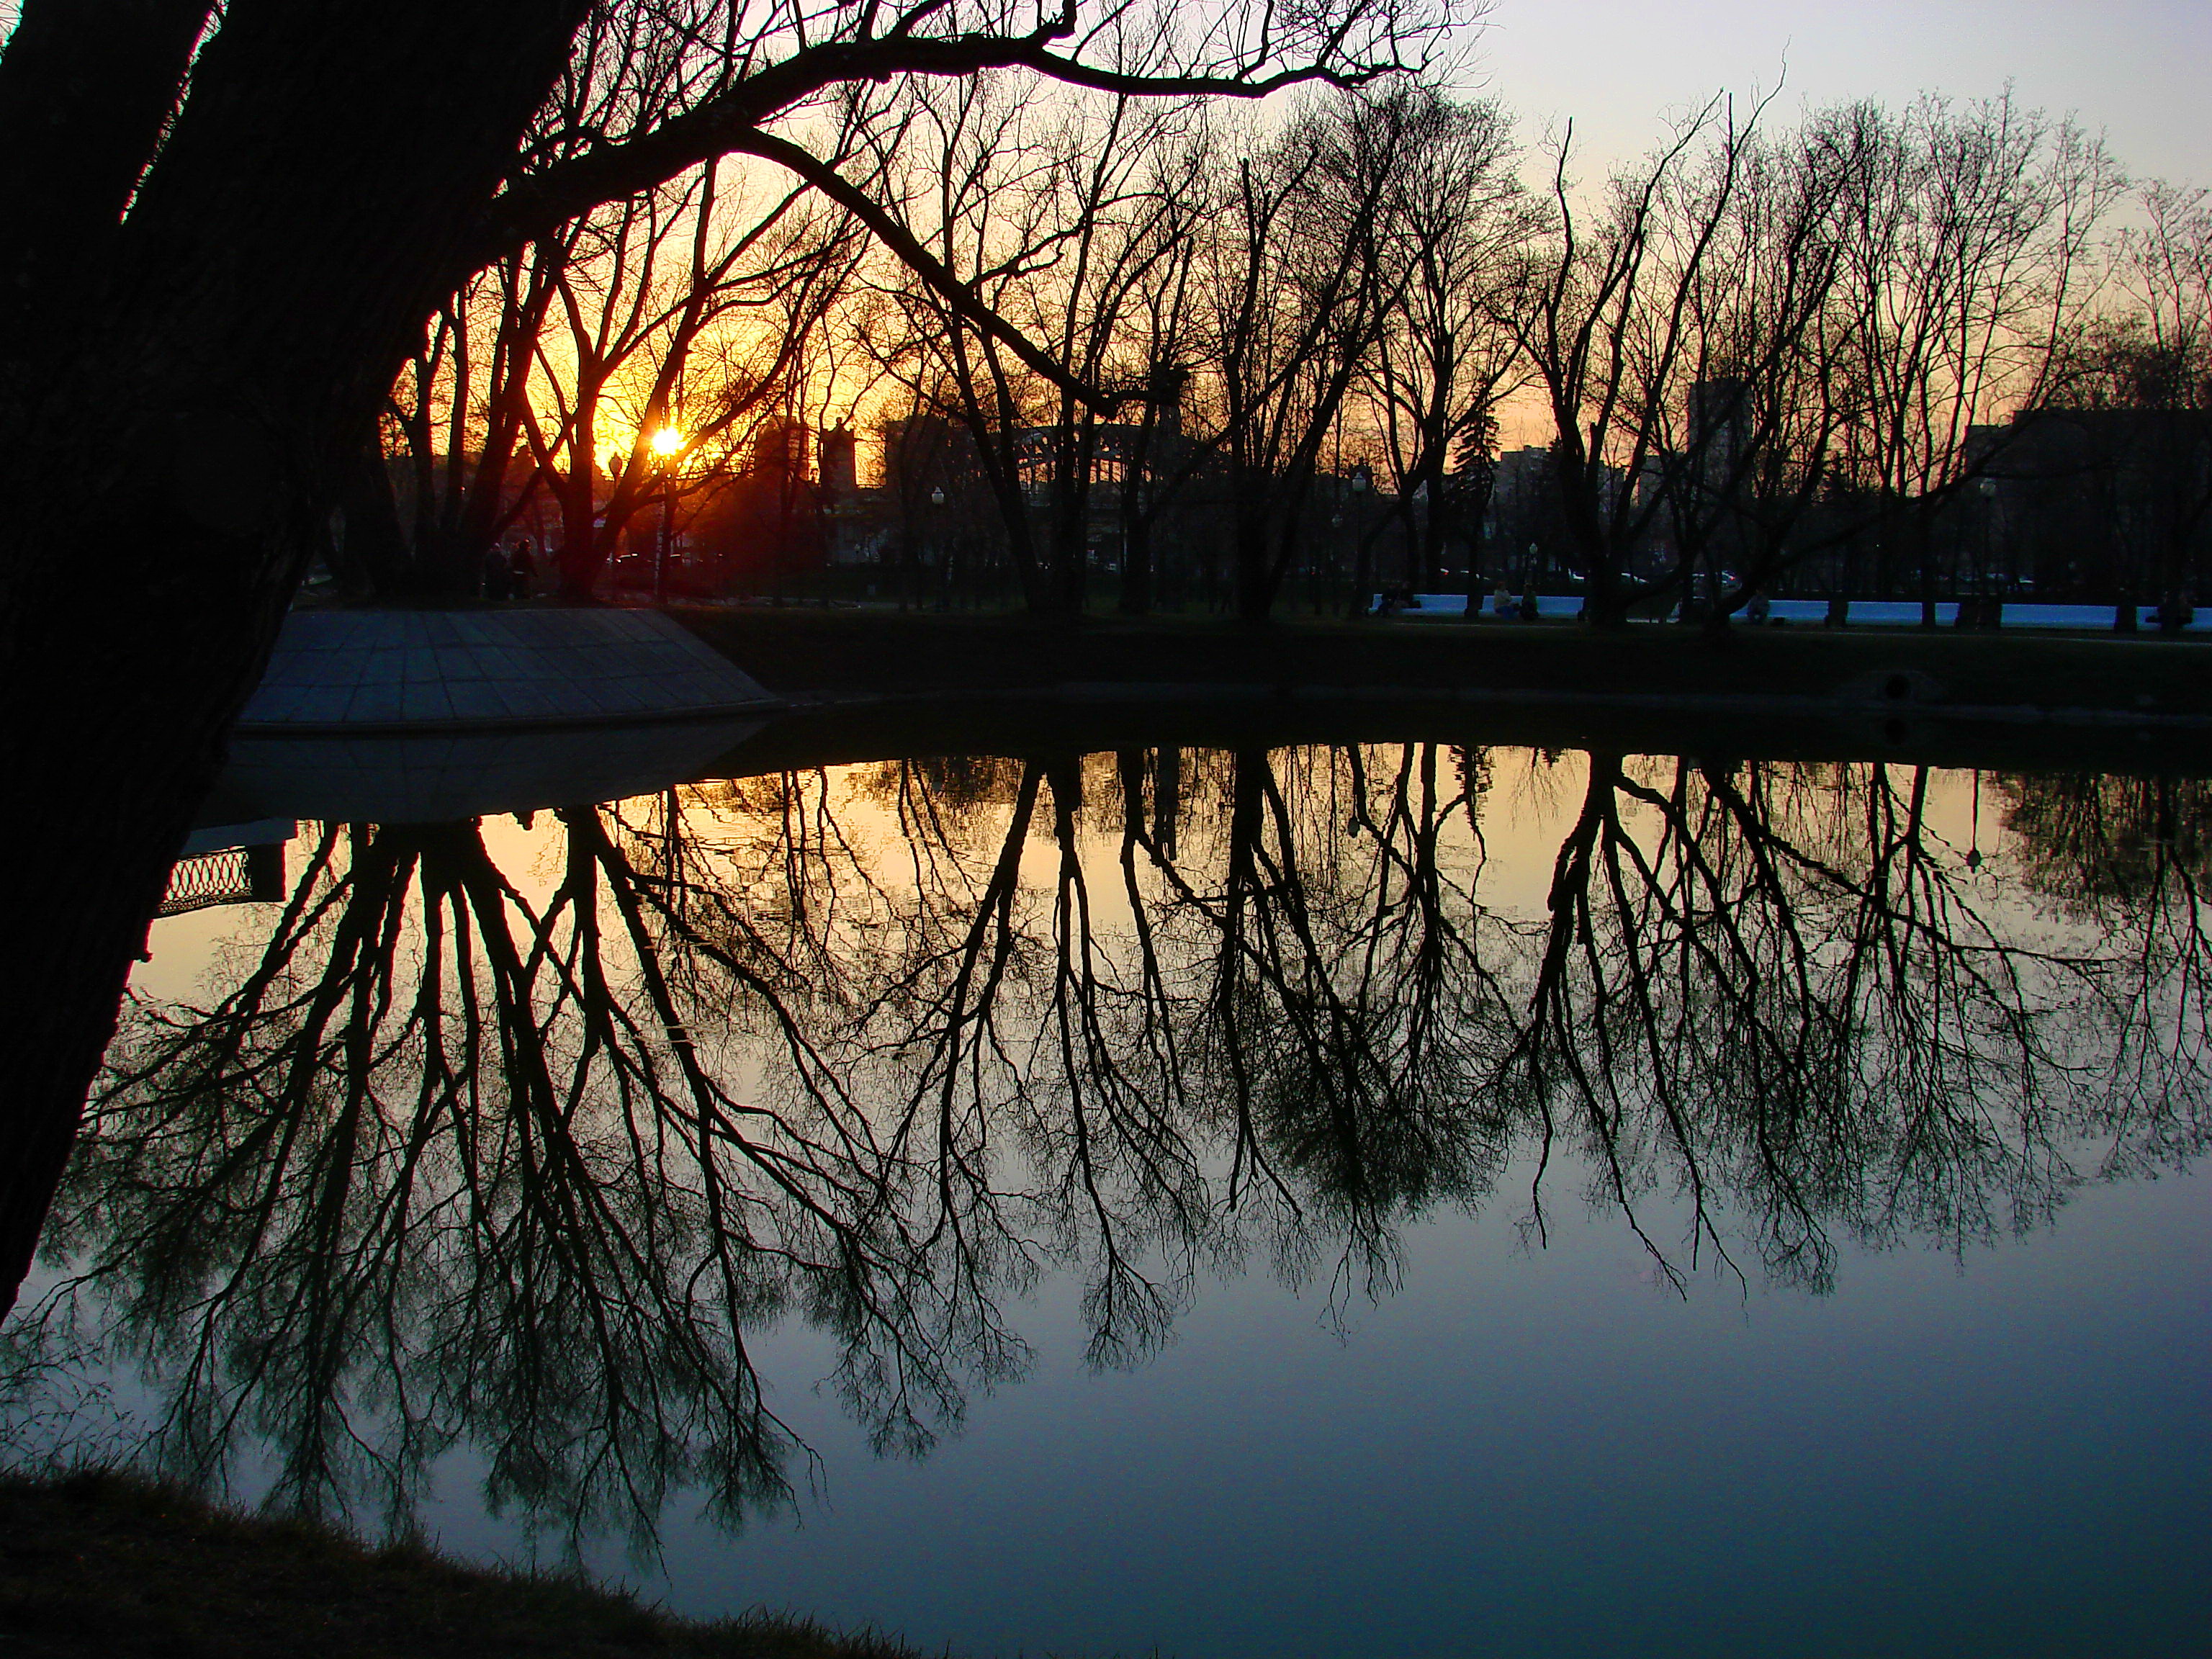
pixel 2097 837
pixel 454 1164
pixel 448 1165
pixel 2132 856
pixel 1802 1044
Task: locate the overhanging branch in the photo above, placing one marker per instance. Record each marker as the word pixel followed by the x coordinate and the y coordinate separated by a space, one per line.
pixel 925 264
pixel 534 205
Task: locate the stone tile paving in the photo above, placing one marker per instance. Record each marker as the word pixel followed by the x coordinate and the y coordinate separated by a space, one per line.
pixel 472 669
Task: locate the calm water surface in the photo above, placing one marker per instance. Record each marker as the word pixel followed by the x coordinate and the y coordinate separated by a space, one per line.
pixel 1331 1201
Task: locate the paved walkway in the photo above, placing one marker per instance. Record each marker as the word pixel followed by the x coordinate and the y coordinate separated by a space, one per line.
pixel 357 672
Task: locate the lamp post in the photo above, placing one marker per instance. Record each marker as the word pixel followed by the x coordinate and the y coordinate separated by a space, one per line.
pixel 668 444
pixel 1974 832
pixel 1361 481
pixel 1418 516
pixel 1988 610
pixel 934 566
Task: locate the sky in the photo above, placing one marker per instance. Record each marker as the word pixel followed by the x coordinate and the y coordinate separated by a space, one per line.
pixel 2137 68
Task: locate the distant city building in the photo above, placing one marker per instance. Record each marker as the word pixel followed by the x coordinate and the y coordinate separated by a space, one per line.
pixel 1116 447
pixel 841 463
pixel 781 448
pixel 924 451
pixel 1720 424
pixel 1520 475
pixel 2096 503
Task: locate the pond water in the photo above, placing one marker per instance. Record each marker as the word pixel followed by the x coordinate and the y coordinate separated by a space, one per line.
pixel 1386 1198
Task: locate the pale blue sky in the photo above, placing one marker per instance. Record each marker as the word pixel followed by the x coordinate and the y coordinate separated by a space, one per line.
pixel 2140 69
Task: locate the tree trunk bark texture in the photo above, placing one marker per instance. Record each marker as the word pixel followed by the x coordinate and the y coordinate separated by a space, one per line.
pixel 176 409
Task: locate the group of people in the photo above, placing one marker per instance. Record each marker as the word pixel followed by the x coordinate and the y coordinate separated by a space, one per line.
pixel 509 575
pixel 1503 606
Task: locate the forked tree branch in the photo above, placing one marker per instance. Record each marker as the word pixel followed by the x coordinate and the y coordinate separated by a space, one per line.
pixel 902 243
pixel 533 205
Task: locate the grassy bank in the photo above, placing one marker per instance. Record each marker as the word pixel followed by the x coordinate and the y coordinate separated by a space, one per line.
pixel 849 653
pixel 97 1564
pixel 880 686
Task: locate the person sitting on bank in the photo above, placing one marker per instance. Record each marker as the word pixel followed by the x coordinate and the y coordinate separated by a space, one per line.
pixel 1755 609
pixel 524 567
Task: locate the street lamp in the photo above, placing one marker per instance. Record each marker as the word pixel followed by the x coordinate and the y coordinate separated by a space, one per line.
pixel 1992 609
pixel 668 444
pixel 937 565
pixel 1357 486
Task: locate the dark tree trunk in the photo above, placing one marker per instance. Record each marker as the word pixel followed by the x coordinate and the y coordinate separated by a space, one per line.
pixel 1478 517
pixel 1072 449
pixel 1603 605
pixel 1136 596
pixel 1255 590
pixel 1432 520
pixel 1167 799
pixel 168 442
pixel 1924 541
pixel 374 545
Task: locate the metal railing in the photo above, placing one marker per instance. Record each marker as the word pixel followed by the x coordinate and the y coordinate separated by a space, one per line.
pixel 230 875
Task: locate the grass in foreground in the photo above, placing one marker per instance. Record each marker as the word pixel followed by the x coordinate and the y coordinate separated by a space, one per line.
pixel 98 1564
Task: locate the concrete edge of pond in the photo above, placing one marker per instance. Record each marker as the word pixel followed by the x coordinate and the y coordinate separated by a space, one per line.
pixel 1875 703
pixel 451 773
pixel 352 673
pixel 840 728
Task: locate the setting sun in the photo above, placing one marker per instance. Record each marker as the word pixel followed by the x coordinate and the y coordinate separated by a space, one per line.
pixel 667 441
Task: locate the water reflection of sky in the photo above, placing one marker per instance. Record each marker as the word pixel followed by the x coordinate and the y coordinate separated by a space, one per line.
pixel 1456 1437
pixel 1533 1454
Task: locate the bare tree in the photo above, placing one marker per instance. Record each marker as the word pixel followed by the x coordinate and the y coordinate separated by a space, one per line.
pixel 976 171
pixel 1449 352
pixel 1298 275
pixel 2136 385
pixel 1970 246
pixel 233 224
pixel 1615 340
